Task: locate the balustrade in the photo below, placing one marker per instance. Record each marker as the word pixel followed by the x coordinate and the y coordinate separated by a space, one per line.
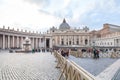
pixel 70 70
pixel 102 55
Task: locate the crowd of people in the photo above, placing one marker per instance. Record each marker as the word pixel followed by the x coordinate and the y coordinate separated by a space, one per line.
pixel 64 52
pixel 94 52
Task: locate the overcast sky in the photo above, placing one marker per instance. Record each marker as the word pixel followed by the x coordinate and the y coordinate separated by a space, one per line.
pixel 40 15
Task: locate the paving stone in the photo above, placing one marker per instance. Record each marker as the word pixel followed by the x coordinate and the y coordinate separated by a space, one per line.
pixel 41 66
pixel 28 66
pixel 93 66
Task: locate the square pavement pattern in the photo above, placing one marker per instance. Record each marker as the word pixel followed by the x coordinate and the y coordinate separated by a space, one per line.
pixel 28 66
pixel 94 66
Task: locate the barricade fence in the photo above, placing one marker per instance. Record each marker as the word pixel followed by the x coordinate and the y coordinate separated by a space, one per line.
pixel 70 70
pixel 101 55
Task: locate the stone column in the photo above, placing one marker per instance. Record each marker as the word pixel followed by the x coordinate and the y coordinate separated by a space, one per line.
pixel 33 43
pixel 51 43
pixel 13 42
pixel 71 40
pixel 60 40
pixel 39 42
pixel 3 41
pixel 8 42
pixel 83 39
pixel 21 42
pixel 79 40
pixel 88 41
pixel 17 41
pixel 74 40
pixel 56 40
pixel 44 42
pixel 64 40
pixel 119 43
pixel 68 40
pixel 36 42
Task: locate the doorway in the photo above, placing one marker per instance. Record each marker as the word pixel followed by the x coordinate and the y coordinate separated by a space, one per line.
pixel 47 43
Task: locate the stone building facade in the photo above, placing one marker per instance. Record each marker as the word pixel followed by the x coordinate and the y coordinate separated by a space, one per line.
pixel 108 36
pixel 65 35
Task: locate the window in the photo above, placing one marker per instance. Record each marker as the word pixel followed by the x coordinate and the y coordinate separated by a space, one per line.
pixel 77 41
pixel 69 42
pixel 62 42
pixel 86 41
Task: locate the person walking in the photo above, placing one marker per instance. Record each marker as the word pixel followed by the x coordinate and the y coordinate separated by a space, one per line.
pixel 95 53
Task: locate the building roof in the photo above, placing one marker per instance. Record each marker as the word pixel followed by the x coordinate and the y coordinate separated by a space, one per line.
pixel 64 25
pixel 114 28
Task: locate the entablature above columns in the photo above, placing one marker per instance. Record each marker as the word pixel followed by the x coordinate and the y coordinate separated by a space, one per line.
pixel 71 34
pixel 21 35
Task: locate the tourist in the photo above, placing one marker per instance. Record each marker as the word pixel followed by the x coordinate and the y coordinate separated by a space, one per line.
pixel 67 53
pixel 95 53
pixel 33 50
pixel 62 53
pixel 39 50
pixel 79 53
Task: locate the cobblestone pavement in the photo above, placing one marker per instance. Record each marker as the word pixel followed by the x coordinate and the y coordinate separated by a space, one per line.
pixel 94 66
pixel 117 75
pixel 23 66
pixel 41 66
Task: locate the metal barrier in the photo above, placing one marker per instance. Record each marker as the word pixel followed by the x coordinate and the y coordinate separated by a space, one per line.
pixel 70 70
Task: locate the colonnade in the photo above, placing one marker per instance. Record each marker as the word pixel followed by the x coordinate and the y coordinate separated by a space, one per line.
pixel 71 40
pixel 8 41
